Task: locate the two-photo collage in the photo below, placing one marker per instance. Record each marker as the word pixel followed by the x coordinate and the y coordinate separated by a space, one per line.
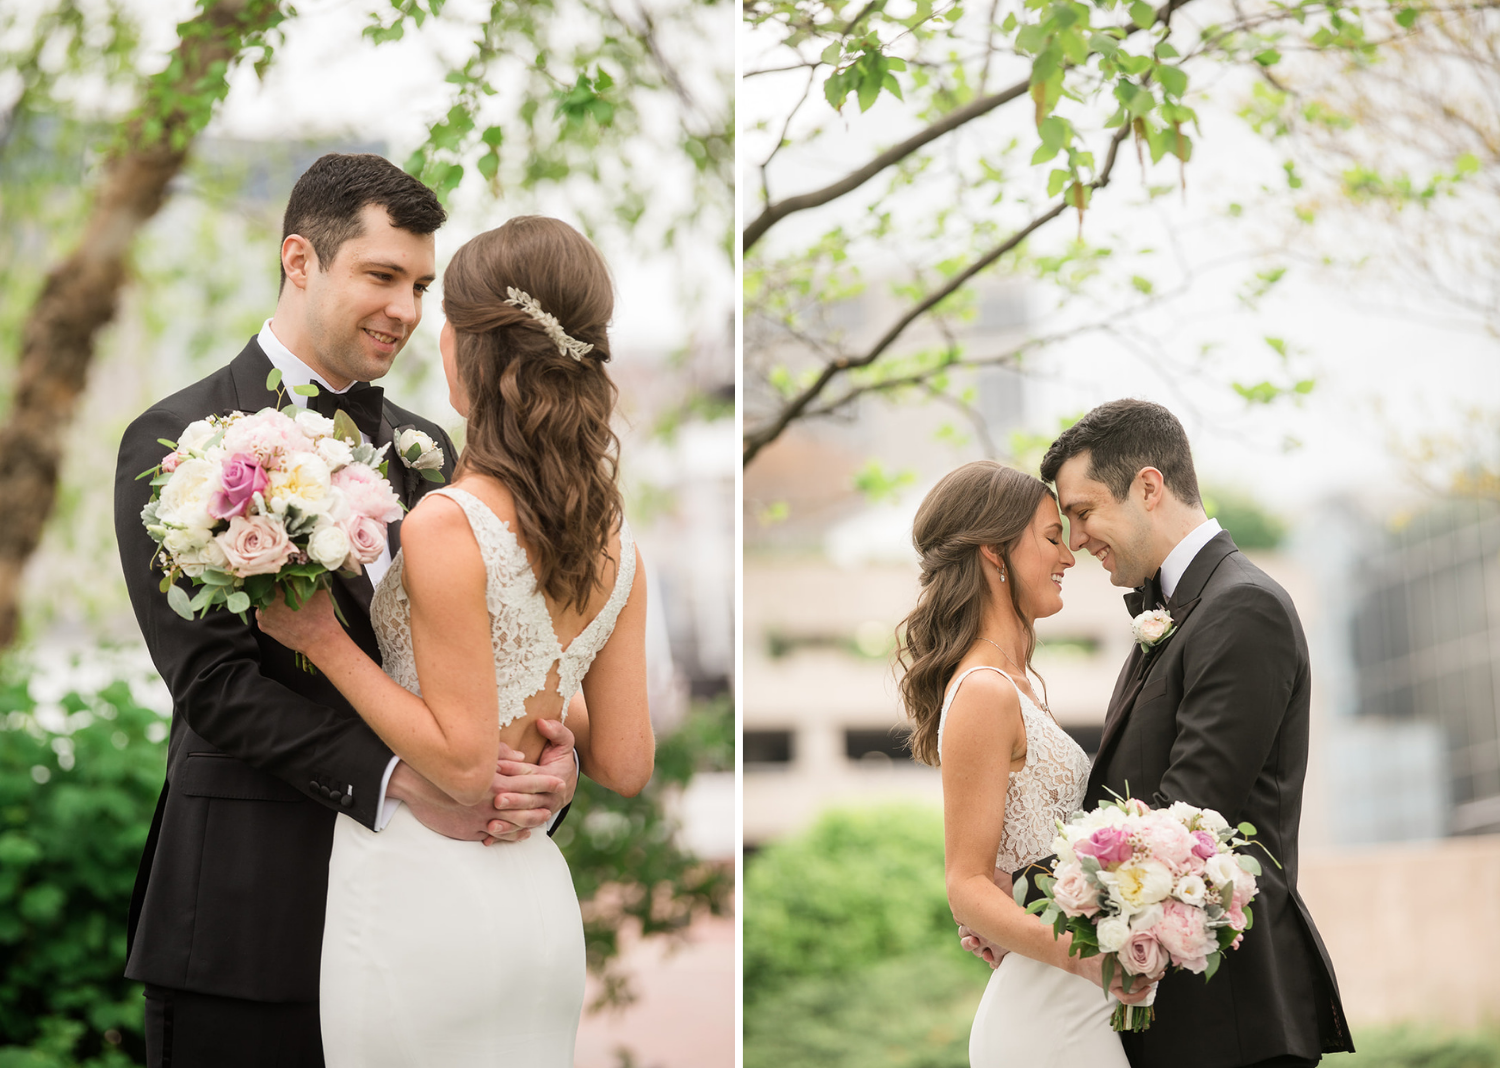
pixel 820 534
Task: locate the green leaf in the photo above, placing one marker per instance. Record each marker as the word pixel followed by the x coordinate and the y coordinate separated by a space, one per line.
pixel 238 601
pixel 432 476
pixel 345 429
pixel 1248 863
pixel 1172 79
pixel 413 453
pixel 1107 972
pixel 1055 182
pixel 179 602
pixel 1019 890
pixel 214 577
pixel 273 379
pixel 1142 14
pixel 1405 17
pixel 1269 58
pixel 1143 284
pixel 832 52
pixel 1249 917
pixel 1214 960
pixel 1164 50
pixel 1248 829
pixel 309 390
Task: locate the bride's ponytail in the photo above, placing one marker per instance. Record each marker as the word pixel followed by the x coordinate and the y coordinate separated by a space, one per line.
pixel 525 300
pixel 981 503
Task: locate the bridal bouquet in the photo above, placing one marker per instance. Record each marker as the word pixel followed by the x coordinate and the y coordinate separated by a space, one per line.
pixel 249 505
pixel 1148 888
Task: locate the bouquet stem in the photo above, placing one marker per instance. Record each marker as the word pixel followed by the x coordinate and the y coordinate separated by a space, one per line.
pixel 1133 1018
pixel 307 666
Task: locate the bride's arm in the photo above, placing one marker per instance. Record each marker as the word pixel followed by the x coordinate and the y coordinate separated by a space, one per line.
pixel 981 732
pixel 451 734
pixel 616 747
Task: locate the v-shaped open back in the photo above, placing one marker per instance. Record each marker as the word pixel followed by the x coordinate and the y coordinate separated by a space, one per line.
pixel 522 632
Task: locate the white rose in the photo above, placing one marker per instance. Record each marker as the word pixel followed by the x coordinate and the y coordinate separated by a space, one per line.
pixel 1112 933
pixel 1220 868
pixel 314 424
pixel 1150 627
pixel 1191 890
pixel 1064 850
pixel 182 540
pixel 208 555
pixel 334 453
pixel 429 456
pixel 329 545
pixel 194 436
pixel 305 481
pixel 186 495
pixel 1186 813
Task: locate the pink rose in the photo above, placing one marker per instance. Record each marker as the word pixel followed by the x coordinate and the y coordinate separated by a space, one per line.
pixel 268 436
pixel 255 546
pixel 170 462
pixel 1244 888
pixel 1236 916
pixel 1142 954
pixel 241 480
pixel 1107 845
pixel 1184 932
pixel 367 493
pixel 366 540
pixel 1205 845
pixel 1074 893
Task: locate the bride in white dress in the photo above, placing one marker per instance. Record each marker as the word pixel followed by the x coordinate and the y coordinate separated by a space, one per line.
pixel 993 556
pixel 514 587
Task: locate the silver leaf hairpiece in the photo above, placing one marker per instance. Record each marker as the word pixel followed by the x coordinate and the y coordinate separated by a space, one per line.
pixel 568 346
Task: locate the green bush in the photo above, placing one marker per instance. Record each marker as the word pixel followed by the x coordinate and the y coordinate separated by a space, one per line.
pixel 75 810
pixel 909 1012
pixel 1421 1047
pixel 857 888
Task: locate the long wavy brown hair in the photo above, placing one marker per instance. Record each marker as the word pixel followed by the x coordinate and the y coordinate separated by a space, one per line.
pixel 538 418
pixel 978 504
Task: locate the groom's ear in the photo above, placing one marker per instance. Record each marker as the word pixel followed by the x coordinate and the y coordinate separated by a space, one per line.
pixel 1150 488
pixel 298 259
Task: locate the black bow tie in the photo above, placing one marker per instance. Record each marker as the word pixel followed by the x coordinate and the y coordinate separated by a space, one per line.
pixel 1145 597
pixel 362 401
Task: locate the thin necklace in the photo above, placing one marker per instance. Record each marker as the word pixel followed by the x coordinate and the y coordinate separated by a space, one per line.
pixel 1012 663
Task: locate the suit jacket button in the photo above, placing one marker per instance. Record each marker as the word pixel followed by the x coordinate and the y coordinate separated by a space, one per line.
pixel 347 801
pixel 327 793
pixel 314 786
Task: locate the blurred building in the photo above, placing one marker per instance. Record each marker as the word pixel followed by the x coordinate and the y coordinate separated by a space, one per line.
pixel 1426 650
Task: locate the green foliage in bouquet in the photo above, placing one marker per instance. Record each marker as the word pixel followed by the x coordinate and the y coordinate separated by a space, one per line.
pixel 75 809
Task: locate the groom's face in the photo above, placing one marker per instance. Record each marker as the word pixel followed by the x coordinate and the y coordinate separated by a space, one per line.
pixel 364 307
pixel 1116 533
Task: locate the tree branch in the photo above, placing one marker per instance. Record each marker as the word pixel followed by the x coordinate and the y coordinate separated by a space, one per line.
pixel 797 406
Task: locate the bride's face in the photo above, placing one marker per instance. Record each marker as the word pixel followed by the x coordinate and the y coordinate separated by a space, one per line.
pixel 447 345
pixel 1038 561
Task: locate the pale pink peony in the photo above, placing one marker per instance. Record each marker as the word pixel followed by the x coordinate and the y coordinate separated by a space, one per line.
pixel 255 546
pixel 1168 841
pixel 1236 916
pixel 1143 954
pixel 268 436
pixel 1184 932
pixel 368 494
pixel 242 478
pixel 1074 893
pixel 170 461
pixel 1107 845
pixel 1244 888
pixel 366 540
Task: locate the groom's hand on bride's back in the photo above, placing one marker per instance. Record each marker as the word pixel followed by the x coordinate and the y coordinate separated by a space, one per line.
pixel 527 796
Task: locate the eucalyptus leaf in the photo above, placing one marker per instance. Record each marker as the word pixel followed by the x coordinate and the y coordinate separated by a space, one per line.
pixel 179 602
pixel 273 379
pixel 238 602
pixel 1249 863
pixel 309 390
pixel 1019 891
pixel 345 429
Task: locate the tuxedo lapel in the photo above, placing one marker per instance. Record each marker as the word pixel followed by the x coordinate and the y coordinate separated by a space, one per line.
pixel 249 370
pixel 1184 599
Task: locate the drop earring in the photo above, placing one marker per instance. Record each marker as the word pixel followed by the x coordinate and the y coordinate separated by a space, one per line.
pixel 1002 572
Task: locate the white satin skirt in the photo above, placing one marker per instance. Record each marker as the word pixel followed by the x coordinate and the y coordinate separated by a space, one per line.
pixel 446 954
pixel 1033 1014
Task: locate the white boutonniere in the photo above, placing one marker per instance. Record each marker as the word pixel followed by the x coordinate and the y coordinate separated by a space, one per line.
pixel 1152 628
pixel 420 453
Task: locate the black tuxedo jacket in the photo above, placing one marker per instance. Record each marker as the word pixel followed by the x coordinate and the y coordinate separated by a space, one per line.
pixel 262 758
pixel 1217 716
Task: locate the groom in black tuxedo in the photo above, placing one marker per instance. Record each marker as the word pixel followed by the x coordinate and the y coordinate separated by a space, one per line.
pixel 226 921
pixel 1216 715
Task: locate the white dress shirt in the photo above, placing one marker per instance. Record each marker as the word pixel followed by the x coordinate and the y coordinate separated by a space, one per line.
pixel 1177 561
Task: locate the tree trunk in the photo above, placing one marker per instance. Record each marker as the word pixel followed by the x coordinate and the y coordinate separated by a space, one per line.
pixel 81 292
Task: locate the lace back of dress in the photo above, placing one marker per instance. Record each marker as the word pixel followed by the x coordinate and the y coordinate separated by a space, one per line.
pixel 521 631
pixel 1050 786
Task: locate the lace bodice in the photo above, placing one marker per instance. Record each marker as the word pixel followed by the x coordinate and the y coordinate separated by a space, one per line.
pixel 1050 787
pixel 521 631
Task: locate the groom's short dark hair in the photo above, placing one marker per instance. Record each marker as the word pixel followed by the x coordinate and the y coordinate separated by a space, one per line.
pixel 326 202
pixel 1122 437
